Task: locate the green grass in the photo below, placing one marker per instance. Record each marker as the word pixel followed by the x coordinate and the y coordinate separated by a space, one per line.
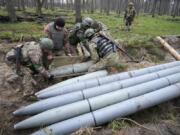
pixel 3 12
pixel 30 30
pixel 144 25
pixel 16 30
pixel 145 28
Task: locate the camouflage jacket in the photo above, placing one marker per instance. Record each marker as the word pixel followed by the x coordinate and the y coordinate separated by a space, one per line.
pixel 31 56
pixel 130 12
pixel 77 33
pixel 99 26
pixel 93 51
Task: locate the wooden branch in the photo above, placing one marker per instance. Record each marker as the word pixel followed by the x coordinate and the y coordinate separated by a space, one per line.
pixel 172 51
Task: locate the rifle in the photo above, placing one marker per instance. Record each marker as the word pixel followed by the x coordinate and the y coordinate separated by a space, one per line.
pixel 18 59
pixel 132 58
pixel 121 49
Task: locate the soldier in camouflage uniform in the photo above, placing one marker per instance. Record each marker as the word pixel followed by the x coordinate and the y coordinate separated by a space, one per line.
pixel 103 51
pixel 76 36
pixel 36 56
pixel 129 15
pixel 59 35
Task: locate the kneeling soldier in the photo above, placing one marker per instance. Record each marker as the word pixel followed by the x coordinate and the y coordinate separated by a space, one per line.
pixel 34 55
pixel 103 50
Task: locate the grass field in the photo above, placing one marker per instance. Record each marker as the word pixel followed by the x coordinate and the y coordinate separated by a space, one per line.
pixel 144 27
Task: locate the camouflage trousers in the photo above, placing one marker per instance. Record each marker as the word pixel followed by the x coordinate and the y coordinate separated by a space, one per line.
pixel 128 23
pixel 110 60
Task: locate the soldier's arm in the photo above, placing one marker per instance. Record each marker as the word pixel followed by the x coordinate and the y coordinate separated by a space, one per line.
pixel 71 37
pixel 85 43
pixel 36 62
pixel 93 52
pixel 40 69
pixel 66 42
pixel 99 26
pixel 46 31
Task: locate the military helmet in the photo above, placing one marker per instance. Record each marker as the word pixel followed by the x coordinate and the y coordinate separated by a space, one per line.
pixel 46 43
pixel 89 32
pixel 77 26
pixel 87 22
pixel 131 4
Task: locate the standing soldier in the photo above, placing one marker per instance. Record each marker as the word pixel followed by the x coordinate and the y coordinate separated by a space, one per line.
pixel 33 55
pixel 129 15
pixel 59 35
pixel 103 51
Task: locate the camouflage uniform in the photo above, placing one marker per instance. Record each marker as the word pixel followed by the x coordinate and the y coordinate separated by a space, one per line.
pixel 99 26
pixel 103 53
pixel 77 34
pixel 31 56
pixel 60 39
pixel 129 15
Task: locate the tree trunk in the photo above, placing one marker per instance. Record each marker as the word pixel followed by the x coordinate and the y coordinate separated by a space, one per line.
pixel 108 7
pixel 18 5
pixel 92 6
pixel 52 4
pixel 11 10
pixel 78 10
pixel 101 7
pixel 39 7
pixel 83 5
pixel 23 5
pixel 176 8
pixel 154 8
pixel 46 4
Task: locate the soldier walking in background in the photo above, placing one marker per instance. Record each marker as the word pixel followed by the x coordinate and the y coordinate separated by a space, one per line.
pixel 129 15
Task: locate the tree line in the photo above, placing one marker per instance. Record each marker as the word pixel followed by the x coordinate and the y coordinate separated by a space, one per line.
pixel 153 7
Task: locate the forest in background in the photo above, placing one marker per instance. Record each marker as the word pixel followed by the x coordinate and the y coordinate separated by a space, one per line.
pixel 152 7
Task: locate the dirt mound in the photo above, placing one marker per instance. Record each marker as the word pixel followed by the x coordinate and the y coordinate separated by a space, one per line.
pixel 174 41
